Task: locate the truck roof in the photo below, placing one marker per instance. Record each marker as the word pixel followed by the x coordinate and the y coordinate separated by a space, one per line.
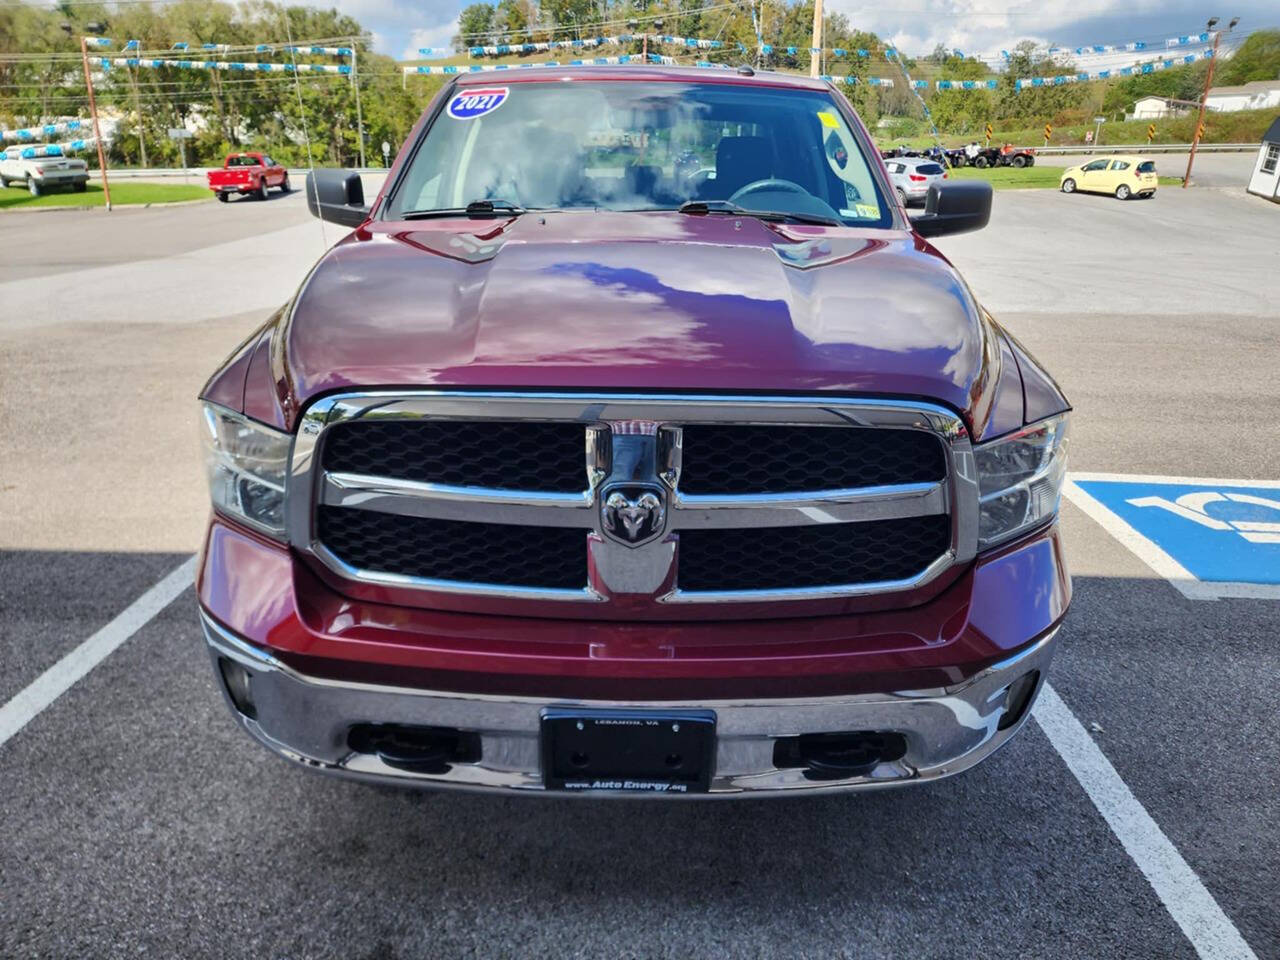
pixel 760 78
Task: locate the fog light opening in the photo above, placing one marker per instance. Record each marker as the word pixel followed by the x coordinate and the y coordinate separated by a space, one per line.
pixel 1017 697
pixel 236 679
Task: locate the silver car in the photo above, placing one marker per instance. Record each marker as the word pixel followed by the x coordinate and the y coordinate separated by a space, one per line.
pixel 912 177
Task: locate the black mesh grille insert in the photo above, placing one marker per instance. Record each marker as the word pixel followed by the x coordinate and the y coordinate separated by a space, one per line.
pixel 728 459
pixel 766 558
pixel 529 455
pixel 496 553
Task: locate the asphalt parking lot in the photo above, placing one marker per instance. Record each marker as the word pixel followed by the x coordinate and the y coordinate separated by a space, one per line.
pixel 139 820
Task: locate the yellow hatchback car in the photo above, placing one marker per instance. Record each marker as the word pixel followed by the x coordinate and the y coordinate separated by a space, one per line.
pixel 1122 176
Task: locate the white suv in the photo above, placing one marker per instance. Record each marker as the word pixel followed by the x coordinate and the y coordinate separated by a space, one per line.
pixel 913 176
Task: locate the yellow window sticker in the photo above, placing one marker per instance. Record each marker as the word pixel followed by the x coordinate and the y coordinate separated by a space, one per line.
pixel 828 120
pixel 867 210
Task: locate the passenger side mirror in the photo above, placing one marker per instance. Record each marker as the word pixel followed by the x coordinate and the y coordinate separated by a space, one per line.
pixel 954 208
pixel 337 196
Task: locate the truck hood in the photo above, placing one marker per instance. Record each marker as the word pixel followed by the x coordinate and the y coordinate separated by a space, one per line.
pixel 644 301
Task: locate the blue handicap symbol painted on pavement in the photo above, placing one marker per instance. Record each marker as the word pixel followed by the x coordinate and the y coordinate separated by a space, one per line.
pixel 1223 533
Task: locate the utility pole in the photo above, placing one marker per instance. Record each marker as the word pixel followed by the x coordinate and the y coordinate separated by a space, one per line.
pixel 93 112
pixel 355 81
pixel 1204 95
pixel 815 59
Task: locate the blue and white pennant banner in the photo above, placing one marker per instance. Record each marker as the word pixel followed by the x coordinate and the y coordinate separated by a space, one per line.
pixel 1094 48
pixel 852 81
pixel 44 132
pixel 503 49
pixel 493 67
pixel 181 45
pixel 1188 41
pixel 108 62
pixel 689 43
pixel 48 150
pixel 1131 71
pixel 988 84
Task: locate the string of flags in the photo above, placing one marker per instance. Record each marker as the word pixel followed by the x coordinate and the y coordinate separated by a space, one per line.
pixel 701 43
pixel 852 80
pixel 990 83
pixel 1132 46
pixel 1188 41
pixel 491 67
pixel 49 149
pixel 1130 71
pixel 502 49
pixel 107 63
pixel 603 61
pixel 44 132
pixel 182 45
pixel 689 43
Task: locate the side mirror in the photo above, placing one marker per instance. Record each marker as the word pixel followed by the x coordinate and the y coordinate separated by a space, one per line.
pixel 954 208
pixel 336 196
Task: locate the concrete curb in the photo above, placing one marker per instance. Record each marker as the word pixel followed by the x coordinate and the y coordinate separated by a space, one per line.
pixel 98 206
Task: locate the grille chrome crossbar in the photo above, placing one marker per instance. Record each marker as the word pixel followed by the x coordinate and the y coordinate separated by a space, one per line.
pixel 615 430
pixel 482 504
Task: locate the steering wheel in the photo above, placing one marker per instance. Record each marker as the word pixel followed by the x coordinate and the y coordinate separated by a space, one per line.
pixel 761 186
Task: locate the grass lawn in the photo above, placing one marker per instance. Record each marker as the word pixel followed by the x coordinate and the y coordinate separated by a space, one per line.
pixel 122 194
pixel 1013 178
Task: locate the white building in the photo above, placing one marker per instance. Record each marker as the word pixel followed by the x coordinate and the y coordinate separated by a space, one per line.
pixel 1154 108
pixel 1257 95
pixel 1265 181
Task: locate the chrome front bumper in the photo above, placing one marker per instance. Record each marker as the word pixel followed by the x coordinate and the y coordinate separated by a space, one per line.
pixel 307 719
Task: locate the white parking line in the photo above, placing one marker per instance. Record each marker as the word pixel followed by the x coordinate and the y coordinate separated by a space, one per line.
pixel 59 678
pixel 1212 934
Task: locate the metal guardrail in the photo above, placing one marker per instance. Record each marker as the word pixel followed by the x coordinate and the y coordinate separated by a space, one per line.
pixel 1146 148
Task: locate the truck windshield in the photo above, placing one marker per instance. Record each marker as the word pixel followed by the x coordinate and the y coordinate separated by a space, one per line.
pixel 642 145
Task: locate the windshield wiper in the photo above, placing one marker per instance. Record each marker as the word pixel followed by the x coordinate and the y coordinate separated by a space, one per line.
pixel 703 207
pixel 476 208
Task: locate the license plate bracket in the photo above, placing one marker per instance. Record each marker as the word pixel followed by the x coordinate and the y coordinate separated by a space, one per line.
pixel 628 751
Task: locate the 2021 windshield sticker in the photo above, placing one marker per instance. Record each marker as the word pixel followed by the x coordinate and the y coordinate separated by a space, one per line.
pixel 476 103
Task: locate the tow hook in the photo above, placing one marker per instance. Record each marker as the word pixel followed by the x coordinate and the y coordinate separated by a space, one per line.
pixel 838 756
pixel 416 749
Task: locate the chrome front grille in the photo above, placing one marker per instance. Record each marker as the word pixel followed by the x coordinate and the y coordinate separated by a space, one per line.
pixel 656 499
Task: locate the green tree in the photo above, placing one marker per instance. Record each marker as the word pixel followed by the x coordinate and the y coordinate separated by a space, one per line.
pixel 511 21
pixel 1258 58
pixel 1034 104
pixel 475 26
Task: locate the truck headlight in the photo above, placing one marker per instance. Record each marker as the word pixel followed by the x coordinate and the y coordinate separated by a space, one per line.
pixel 1020 479
pixel 246 463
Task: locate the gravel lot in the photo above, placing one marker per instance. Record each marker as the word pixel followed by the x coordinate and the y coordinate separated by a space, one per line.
pixel 140 821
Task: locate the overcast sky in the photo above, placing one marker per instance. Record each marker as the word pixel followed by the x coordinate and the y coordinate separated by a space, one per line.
pixel 974 26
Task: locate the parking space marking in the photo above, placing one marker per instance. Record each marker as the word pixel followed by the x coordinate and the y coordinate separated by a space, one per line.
pixel 1192 907
pixel 1210 538
pixel 59 678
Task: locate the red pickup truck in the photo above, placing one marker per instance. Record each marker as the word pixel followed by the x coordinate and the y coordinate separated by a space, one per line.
pixel 577 469
pixel 251 173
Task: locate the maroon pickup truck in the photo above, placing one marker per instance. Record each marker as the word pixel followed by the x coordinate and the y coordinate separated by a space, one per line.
pixel 579 466
pixel 248 173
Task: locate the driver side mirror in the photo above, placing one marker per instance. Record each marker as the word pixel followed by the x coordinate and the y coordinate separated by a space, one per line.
pixel 337 196
pixel 954 208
